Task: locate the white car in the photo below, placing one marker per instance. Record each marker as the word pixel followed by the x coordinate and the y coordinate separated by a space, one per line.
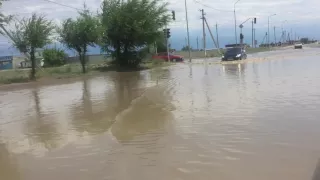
pixel 298 46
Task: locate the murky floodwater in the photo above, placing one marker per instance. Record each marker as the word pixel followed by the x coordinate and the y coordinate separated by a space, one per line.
pixel 255 120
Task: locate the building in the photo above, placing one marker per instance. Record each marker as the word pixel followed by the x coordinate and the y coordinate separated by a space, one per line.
pixel 6 62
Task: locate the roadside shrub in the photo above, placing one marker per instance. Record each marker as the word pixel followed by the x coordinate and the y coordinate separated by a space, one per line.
pixel 54 57
pixel 156 62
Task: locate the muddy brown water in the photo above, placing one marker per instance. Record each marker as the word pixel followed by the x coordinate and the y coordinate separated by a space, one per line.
pixel 250 120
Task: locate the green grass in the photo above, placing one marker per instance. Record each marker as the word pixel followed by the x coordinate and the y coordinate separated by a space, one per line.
pixel 98 67
pixel 14 76
pixel 71 70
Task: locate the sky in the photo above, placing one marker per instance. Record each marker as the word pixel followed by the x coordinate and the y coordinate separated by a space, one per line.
pixel 302 16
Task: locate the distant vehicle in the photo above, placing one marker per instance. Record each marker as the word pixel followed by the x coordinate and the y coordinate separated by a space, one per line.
pixel 298 46
pixel 235 53
pixel 164 56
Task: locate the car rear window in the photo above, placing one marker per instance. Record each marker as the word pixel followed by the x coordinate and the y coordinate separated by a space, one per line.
pixel 234 50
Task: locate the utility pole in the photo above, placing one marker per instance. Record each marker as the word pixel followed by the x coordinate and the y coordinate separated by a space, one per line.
pixel 235 21
pixel 254 37
pixel 285 36
pixel 274 33
pixel 186 41
pixel 204 33
pixel 252 34
pixel 186 10
pixel 269 30
pixel 282 39
pixel 205 20
pixel 265 38
pixel 198 43
pixel 217 36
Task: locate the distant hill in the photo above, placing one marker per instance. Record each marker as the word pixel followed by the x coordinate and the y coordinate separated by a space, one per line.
pixel 7 50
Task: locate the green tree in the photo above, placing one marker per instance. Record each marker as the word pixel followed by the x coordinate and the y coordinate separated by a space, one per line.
pixel 54 57
pixel 186 48
pixel 80 33
pixel 161 43
pixel 304 40
pixel 4 20
pixel 30 34
pixel 131 25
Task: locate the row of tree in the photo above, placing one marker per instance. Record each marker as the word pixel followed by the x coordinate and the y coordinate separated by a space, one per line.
pixel 120 28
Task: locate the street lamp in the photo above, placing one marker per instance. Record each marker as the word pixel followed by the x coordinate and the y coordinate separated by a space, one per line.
pixel 283 34
pixel 186 9
pixel 235 21
pixel 269 29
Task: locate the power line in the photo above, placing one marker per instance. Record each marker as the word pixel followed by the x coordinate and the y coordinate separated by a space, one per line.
pixel 196 1
pixel 62 5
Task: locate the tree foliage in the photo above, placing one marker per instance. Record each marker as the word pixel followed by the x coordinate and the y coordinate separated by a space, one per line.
pixel 80 33
pixel 131 25
pixel 186 48
pixel 54 57
pixel 4 19
pixel 30 34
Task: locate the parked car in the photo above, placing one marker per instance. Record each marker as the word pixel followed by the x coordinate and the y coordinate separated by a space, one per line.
pixel 298 46
pixel 235 53
pixel 164 56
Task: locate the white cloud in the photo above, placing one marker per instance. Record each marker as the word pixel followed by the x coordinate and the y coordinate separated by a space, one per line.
pixel 294 11
pixel 220 11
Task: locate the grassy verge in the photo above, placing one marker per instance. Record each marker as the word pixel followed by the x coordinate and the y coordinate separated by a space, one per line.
pixel 70 71
pixel 215 53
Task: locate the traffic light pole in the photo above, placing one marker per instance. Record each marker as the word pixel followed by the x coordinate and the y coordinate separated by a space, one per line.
pixel 167 43
pixel 252 35
pixel 253 21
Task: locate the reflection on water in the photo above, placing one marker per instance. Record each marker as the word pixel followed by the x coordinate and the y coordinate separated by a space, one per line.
pixel 234 69
pixel 147 113
pixel 84 119
pixel 40 128
pixel 8 165
pixel 223 121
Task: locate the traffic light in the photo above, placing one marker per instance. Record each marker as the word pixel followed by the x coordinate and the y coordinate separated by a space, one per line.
pixel 255 20
pixel 241 36
pixel 174 15
pixel 167 33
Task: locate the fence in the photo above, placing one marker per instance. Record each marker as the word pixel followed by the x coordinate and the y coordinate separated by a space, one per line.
pixel 6 62
pixel 97 58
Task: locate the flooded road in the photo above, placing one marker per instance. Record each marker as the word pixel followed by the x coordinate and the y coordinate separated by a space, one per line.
pixel 249 120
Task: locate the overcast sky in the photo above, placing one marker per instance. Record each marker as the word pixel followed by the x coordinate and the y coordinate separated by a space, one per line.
pixel 298 13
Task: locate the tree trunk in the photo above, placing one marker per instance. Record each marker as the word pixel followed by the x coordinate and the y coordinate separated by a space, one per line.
pixel 33 64
pixel 118 54
pixel 83 64
pixel 82 61
pixel 127 59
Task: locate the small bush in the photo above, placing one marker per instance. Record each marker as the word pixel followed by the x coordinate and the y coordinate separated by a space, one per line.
pixel 157 61
pixel 54 57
